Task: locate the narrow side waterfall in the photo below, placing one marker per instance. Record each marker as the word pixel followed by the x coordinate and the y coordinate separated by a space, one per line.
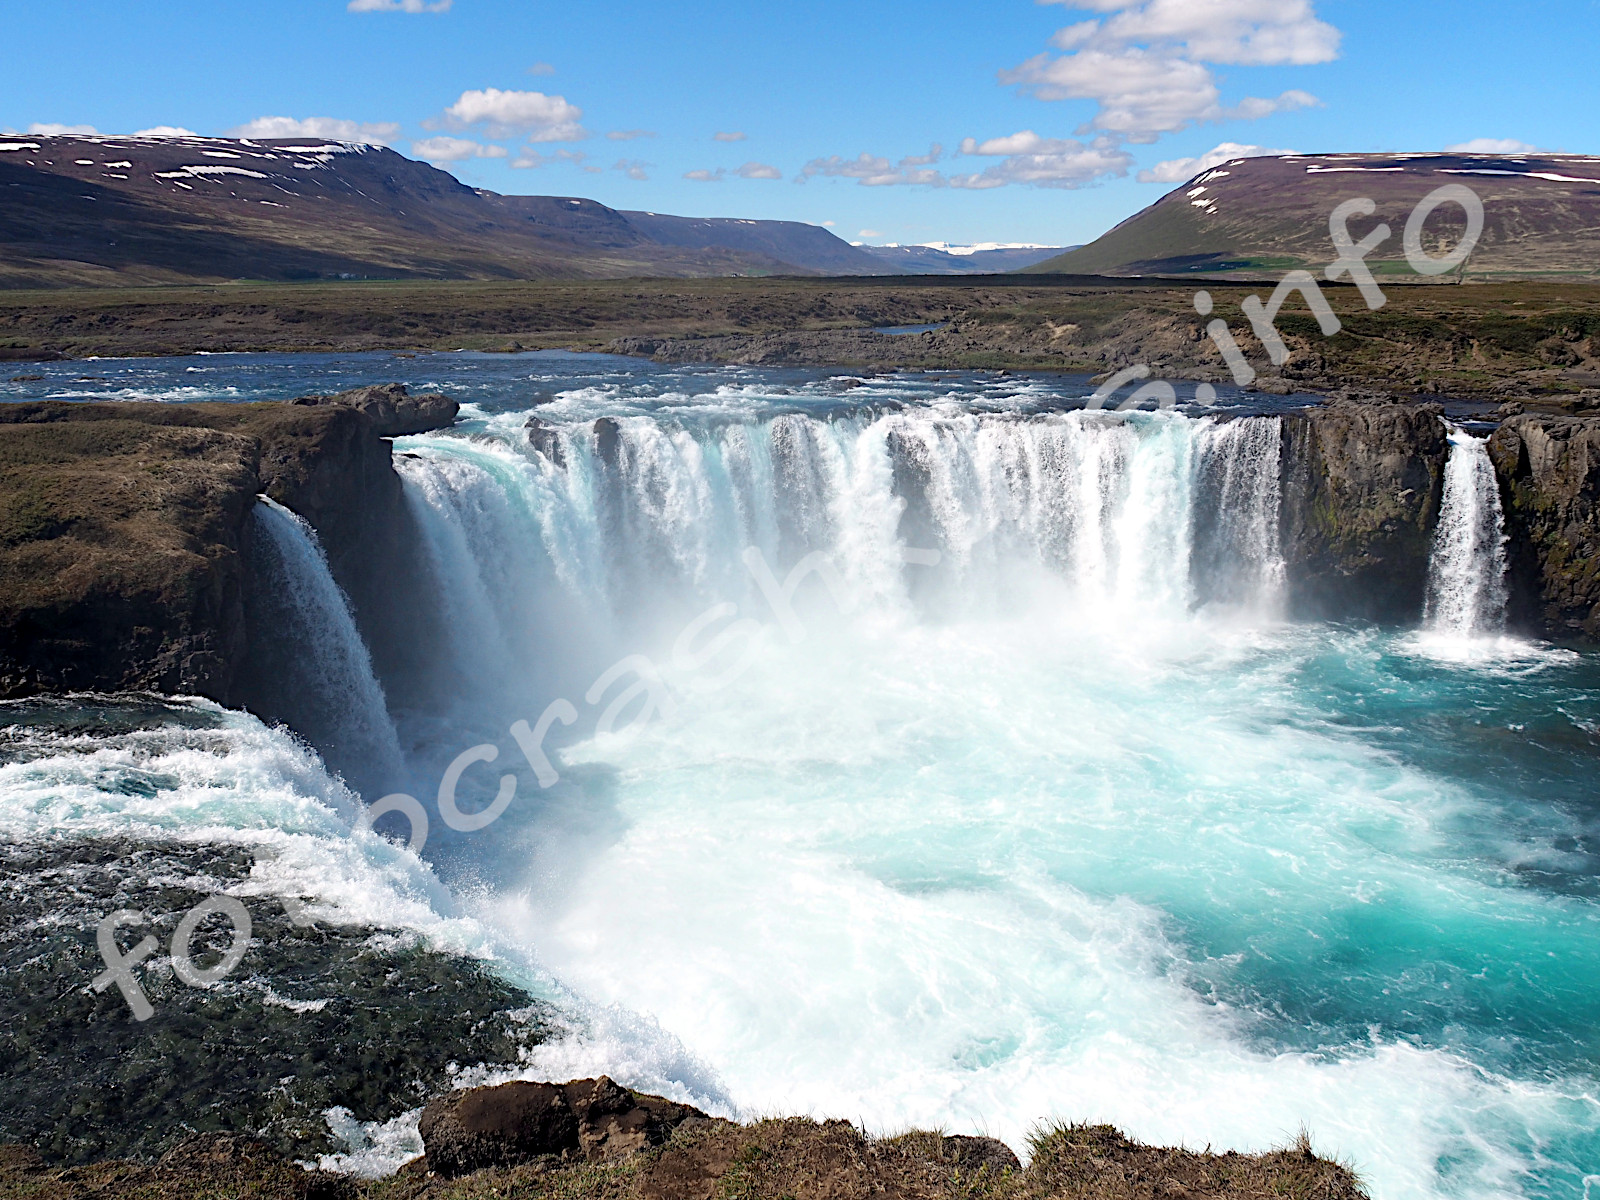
pixel 1467 566
pixel 321 679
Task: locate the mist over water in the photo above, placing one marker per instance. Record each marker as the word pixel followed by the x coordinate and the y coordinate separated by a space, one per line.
pixel 1026 802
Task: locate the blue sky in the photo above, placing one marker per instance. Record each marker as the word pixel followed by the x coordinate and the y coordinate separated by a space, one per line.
pixel 1059 108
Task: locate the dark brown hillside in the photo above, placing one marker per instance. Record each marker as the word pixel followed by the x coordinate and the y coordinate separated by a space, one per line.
pixel 1264 216
pixel 100 211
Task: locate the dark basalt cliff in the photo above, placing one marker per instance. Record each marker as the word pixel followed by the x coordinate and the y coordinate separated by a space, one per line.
pixel 1549 470
pixel 126 529
pixel 1362 485
pixel 127 557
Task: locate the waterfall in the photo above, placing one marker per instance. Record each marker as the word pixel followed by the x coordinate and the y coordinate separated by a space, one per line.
pixel 616 529
pixel 1239 555
pixel 1467 565
pixel 318 675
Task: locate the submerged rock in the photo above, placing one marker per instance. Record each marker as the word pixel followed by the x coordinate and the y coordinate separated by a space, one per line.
pixel 545 439
pixel 314 1016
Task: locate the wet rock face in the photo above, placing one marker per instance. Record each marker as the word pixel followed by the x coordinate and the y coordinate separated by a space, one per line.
pixel 593 1120
pixel 1549 470
pixel 1362 486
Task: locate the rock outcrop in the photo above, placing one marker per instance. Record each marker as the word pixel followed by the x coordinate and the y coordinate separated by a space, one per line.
pixel 1362 485
pixel 122 551
pixel 1549 471
pixel 391 408
pixel 125 532
pixel 593 1120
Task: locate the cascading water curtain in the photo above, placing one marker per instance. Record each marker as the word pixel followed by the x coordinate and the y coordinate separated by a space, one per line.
pixel 1467 568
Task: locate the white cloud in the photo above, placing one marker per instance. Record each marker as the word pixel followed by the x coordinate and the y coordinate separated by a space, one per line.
pixel 166 131
pixel 1492 146
pixel 866 233
pixel 407 6
pixel 45 129
pixel 327 128
pixel 827 224
pixel 1043 162
pixel 1145 64
pixel 541 68
pixel 630 135
pixel 1237 32
pixel 454 149
pixel 704 176
pixel 728 137
pixel 872 171
pixel 755 170
pixel 540 117
pixel 532 158
pixel 632 168
pixel 1176 170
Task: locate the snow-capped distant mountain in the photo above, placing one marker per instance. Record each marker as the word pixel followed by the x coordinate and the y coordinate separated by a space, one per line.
pixel 1262 216
pixel 945 258
pixel 118 210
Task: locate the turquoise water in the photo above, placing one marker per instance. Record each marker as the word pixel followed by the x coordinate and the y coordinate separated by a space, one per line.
pixel 1054 816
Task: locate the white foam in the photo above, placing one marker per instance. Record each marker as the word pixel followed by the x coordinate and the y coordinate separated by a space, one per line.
pixel 373 1149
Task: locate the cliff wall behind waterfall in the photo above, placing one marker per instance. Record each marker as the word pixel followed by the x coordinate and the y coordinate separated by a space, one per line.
pixel 126 532
pixel 1549 471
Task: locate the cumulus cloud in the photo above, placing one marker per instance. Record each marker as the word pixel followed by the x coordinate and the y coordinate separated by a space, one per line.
pixel 1043 162
pixel 1176 170
pixel 328 128
pixel 46 129
pixel 406 6
pixel 165 131
pixel 632 168
pixel 1145 63
pixel 539 117
pixel 454 149
pixel 866 233
pixel 872 171
pixel 1235 32
pixel 755 170
pixel 533 159
pixel 630 135
pixel 541 68
pixel 1492 146
pixel 704 176
pixel 734 136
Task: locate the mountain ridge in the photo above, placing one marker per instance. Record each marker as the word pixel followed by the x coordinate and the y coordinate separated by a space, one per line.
pixel 1250 217
pixel 104 210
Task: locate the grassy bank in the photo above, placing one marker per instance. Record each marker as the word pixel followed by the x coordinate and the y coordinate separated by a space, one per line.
pixel 781 1159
